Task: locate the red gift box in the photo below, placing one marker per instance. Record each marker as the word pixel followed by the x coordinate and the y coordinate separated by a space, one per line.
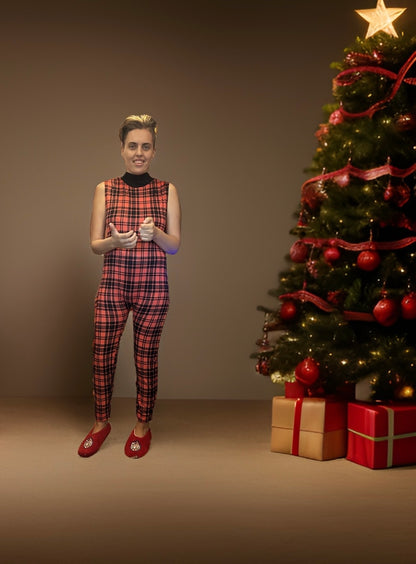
pixel 295 390
pixel 381 435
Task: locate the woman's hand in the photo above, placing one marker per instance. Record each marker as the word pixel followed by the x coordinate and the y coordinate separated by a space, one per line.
pixel 147 229
pixel 123 240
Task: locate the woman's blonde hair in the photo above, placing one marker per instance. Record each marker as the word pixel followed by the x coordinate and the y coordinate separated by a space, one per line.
pixel 142 121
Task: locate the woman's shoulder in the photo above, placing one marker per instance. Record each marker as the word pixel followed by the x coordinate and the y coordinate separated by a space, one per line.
pixel 165 183
pixel 100 186
pixel 162 186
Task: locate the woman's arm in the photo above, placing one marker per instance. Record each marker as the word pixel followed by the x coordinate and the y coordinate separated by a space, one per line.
pixel 171 240
pixel 100 244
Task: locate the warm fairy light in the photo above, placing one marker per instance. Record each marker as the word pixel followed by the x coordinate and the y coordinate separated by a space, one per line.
pixel 381 19
pixel 407 392
pixel 277 377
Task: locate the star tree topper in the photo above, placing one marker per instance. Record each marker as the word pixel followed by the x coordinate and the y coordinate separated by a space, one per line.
pixel 381 19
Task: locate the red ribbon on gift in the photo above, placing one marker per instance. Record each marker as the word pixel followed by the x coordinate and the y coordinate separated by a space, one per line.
pixel 296 426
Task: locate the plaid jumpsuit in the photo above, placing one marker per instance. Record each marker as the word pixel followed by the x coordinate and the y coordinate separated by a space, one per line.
pixel 132 280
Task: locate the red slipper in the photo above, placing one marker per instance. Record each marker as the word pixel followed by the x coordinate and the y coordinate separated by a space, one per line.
pixel 93 441
pixel 136 447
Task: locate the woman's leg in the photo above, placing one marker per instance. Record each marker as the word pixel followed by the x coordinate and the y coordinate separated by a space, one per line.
pixel 109 322
pixel 148 320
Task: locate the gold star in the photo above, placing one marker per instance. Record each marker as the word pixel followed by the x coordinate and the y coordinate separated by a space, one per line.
pixel 381 19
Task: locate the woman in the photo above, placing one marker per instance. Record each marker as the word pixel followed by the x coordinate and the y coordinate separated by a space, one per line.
pixel 136 220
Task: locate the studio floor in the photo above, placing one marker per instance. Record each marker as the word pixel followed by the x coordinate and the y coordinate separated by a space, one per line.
pixel 208 491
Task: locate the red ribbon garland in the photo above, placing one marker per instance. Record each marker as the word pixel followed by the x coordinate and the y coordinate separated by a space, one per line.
pixel 399 78
pixel 358 316
pixel 364 246
pixel 305 296
pixel 370 174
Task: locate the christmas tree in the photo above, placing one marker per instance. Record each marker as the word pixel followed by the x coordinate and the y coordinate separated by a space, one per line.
pixel 346 308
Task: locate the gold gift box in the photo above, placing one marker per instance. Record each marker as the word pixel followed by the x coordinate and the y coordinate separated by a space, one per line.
pixel 309 427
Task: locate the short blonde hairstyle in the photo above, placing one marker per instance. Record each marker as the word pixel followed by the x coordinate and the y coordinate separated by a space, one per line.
pixel 142 121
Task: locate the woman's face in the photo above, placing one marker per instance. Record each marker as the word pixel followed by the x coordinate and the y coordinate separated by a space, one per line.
pixel 138 151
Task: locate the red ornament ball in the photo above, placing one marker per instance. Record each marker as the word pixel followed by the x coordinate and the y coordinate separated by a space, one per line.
pixel 307 371
pixel 336 117
pixel 332 255
pixel 398 194
pixel 313 194
pixel 263 367
pixel 288 310
pixel 388 193
pixel 311 268
pixel 299 252
pixel 386 312
pixel 408 306
pixel 406 122
pixel 323 130
pixel 368 260
pixel 342 179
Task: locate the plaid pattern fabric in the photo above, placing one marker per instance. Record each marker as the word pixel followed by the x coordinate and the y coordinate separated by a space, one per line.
pixel 132 280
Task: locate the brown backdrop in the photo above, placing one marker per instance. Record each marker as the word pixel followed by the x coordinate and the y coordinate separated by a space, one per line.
pixel 237 88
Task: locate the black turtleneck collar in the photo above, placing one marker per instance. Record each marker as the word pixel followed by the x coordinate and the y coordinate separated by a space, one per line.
pixel 136 180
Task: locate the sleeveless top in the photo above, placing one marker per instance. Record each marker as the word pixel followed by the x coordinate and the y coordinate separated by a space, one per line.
pixel 142 269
